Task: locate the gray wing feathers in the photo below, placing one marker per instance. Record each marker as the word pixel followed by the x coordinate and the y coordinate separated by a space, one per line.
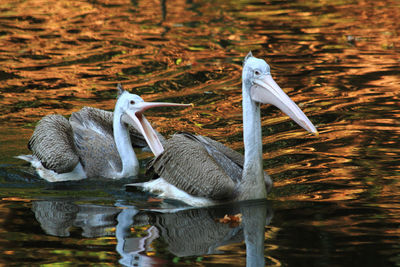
pixel 103 121
pixel 227 151
pixel 96 148
pixel 236 158
pixel 53 144
pixel 93 118
pixel 187 165
pixel 228 159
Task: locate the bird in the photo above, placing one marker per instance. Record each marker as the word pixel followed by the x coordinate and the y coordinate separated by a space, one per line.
pixel 93 142
pixel 200 171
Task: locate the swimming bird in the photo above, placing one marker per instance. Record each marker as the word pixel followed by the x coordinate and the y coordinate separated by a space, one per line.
pixel 86 146
pixel 200 171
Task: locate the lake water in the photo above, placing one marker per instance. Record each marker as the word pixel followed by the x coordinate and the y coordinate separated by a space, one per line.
pixel 335 200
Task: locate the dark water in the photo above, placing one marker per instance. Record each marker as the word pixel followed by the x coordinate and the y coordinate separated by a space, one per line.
pixel 335 200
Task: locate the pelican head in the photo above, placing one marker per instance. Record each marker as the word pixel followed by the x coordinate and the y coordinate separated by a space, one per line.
pixel 263 89
pixel 130 108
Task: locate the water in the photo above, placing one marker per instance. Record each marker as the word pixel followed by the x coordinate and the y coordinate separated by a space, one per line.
pixel 335 199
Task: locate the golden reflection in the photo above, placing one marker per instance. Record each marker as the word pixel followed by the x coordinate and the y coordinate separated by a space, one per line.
pixel 16 199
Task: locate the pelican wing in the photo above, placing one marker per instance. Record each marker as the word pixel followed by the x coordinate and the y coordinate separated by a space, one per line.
pixel 52 143
pixel 187 164
pixel 228 159
pixel 95 147
pixel 235 156
pixel 93 118
pixel 102 121
pixel 237 160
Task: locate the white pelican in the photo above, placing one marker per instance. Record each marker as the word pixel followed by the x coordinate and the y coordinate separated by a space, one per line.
pixel 200 171
pixel 87 146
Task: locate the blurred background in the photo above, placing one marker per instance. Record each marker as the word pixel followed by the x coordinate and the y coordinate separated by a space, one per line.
pixel 335 198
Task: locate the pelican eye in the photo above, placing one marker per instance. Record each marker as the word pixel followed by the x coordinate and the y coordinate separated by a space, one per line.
pixel 257 72
pixel 132 102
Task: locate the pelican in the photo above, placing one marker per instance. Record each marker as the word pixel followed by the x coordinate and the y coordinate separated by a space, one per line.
pixel 200 171
pixel 85 146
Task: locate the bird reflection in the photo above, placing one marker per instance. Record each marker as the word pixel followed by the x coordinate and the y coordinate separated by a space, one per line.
pixel 56 217
pixel 188 232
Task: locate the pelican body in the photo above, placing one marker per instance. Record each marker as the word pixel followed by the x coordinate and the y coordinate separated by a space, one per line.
pixel 200 171
pixel 93 142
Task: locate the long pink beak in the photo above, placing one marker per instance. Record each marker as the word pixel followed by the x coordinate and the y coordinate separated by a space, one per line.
pixel 139 121
pixel 267 91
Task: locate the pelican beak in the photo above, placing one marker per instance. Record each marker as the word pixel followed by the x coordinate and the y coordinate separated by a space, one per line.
pixel 265 90
pixel 139 121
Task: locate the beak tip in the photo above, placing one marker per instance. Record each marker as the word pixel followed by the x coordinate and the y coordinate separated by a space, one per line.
pixel 315 133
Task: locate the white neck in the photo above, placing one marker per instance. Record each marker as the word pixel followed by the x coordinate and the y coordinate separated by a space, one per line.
pixel 253 184
pixel 130 163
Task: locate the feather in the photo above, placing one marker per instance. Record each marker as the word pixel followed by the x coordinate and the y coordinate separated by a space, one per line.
pixel 53 134
pixel 96 149
pixel 102 120
pixel 205 179
pixel 222 155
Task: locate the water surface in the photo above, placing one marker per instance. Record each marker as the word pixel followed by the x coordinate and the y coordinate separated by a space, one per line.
pixel 335 200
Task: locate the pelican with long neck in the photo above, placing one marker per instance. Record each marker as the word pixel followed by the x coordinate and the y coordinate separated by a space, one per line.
pixel 128 110
pixel 130 163
pixel 87 146
pixel 253 178
pixel 259 87
pixel 200 171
